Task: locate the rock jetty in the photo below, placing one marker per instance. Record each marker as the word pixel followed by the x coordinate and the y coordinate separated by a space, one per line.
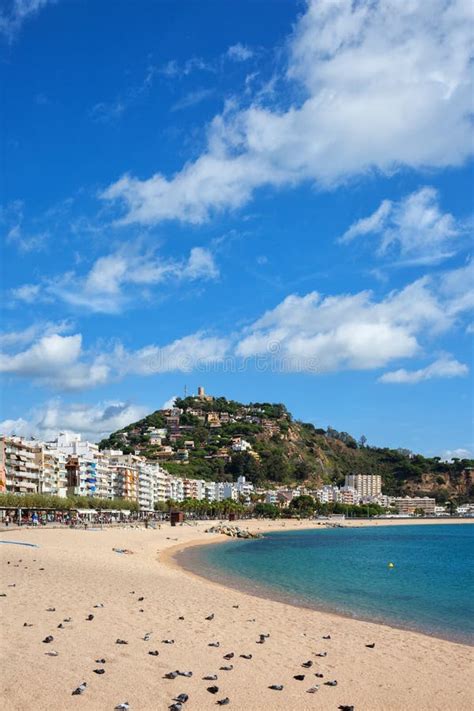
pixel 233 531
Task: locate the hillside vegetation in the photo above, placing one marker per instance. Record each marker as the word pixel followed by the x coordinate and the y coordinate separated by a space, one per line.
pixel 280 450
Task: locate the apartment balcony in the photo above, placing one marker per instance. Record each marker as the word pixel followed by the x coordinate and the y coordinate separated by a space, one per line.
pixel 20 474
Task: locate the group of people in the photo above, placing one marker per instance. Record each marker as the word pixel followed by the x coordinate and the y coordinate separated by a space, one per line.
pixel 25 517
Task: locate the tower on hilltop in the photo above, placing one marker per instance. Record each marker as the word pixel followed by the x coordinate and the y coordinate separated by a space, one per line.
pixel 202 395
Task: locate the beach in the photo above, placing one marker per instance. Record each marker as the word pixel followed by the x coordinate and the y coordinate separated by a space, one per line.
pixel 72 571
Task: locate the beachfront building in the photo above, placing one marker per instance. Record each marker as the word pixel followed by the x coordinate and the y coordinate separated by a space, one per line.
pixel 349 495
pixel 52 470
pixel 408 504
pixel 175 488
pixel 210 491
pixel 146 489
pixel 81 475
pixel 22 470
pixel 226 490
pixel 159 482
pixel 365 484
pixel 194 489
pixel 3 479
pixel 87 471
pixel 465 510
pixel 124 470
pixel 329 494
pixel 244 487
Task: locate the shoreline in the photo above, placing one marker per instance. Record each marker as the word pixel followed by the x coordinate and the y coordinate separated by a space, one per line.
pixel 73 571
pixel 169 557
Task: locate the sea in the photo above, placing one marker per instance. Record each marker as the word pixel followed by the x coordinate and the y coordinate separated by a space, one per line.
pixel 418 577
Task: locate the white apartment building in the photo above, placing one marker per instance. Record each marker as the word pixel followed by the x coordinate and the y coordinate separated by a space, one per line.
pixel 226 490
pixel 244 487
pixel 124 470
pixel 175 488
pixel 159 479
pixel 210 491
pixel 22 470
pixel 194 489
pixel 53 475
pixel 146 489
pixel 349 495
pixel 329 494
pixel 365 484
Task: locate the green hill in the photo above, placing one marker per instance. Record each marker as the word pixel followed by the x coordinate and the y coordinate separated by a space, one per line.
pixel 201 442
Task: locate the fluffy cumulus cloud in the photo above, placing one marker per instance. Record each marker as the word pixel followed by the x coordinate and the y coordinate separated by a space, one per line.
pixel 61 363
pixel 194 352
pixel 445 367
pixel 413 229
pixel 383 84
pixel 57 361
pixel 92 421
pixel 357 331
pixel 112 282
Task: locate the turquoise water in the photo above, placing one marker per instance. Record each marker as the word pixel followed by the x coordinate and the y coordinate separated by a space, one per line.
pixel 345 570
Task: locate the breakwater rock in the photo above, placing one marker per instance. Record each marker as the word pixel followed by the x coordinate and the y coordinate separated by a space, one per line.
pixel 233 531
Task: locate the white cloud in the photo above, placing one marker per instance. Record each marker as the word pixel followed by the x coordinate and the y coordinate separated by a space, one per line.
pixel 169 403
pixel 200 265
pixel 92 421
pixel 112 282
pixel 28 293
pixel 239 52
pixel 11 20
pixel 414 228
pixel 57 361
pixel 461 453
pixel 184 355
pixel 354 331
pixel 385 84
pixel 303 333
pixel 10 339
pixel 61 362
pixel 445 367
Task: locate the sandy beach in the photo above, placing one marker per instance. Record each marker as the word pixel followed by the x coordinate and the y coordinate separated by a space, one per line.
pixel 145 594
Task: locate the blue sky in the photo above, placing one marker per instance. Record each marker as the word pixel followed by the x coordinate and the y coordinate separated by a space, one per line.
pixel 271 199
